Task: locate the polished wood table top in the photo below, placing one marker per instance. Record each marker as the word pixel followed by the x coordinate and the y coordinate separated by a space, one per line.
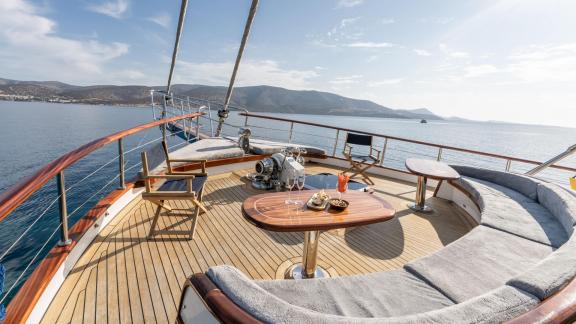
pixel 269 211
pixel 431 169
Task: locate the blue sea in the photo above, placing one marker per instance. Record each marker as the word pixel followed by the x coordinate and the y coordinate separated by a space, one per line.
pixel 33 134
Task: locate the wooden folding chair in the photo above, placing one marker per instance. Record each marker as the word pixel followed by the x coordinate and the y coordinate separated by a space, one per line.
pixel 177 185
pixel 360 162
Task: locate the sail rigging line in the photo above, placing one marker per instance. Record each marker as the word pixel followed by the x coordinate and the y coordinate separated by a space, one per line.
pixel 181 18
pixel 223 113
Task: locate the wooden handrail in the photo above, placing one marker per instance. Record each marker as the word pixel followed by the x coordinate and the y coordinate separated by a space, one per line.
pixel 18 193
pixel 445 147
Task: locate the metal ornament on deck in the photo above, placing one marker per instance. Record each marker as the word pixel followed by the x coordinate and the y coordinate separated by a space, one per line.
pixel 274 171
pixel 244 139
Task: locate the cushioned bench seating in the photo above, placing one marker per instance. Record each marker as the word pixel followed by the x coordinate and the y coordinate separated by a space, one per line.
pixel 522 252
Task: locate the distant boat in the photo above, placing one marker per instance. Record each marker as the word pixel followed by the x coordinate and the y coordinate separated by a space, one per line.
pixel 423 121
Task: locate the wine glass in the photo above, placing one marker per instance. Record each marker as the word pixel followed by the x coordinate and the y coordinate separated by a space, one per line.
pixel 290 183
pixel 342 184
pixel 300 181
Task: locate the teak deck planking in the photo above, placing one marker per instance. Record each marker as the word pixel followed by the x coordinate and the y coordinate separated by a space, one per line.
pixel 124 277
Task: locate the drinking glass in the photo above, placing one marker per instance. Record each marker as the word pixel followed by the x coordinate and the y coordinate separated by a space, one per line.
pixel 342 184
pixel 290 183
pixel 300 181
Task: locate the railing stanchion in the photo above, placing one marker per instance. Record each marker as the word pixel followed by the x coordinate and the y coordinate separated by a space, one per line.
pixel 121 164
pixel 291 132
pixel 508 165
pixel 384 147
pixel 64 239
pixel 439 157
pixel 336 142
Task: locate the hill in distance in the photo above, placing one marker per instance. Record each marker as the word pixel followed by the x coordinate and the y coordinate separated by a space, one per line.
pixel 255 98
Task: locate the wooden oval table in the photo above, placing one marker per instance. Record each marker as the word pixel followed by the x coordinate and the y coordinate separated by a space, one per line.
pixel 270 212
pixel 425 169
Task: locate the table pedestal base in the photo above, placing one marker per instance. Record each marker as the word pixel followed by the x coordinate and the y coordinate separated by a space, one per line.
pixel 421 209
pixel 420 204
pixel 296 271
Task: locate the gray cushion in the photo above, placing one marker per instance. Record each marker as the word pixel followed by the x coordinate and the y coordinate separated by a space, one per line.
pixel 550 274
pixel 258 146
pixel 560 203
pixel 526 185
pixel 209 149
pixel 383 294
pixel 482 260
pixel 496 306
pixel 512 212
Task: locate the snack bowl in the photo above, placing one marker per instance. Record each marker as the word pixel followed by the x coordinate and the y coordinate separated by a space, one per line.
pixel 338 204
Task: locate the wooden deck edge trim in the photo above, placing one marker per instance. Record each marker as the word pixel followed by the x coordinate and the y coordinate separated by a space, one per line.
pixel 19 192
pixel 446 147
pixel 222 306
pixel 26 300
pixel 558 308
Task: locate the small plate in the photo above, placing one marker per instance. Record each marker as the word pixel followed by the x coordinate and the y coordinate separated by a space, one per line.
pixel 311 205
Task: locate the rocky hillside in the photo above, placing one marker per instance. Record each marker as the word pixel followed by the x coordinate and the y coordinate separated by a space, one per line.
pixel 256 99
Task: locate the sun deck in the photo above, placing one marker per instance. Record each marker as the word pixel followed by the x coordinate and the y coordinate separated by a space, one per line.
pixel 124 277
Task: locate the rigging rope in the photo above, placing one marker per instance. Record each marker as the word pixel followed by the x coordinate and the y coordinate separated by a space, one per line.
pixel 223 113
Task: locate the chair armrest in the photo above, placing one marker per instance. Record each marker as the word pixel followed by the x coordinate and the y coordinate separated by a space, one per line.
pixel 377 155
pixel 188 160
pixel 185 173
pixel 170 176
pixel 203 162
pixel 347 149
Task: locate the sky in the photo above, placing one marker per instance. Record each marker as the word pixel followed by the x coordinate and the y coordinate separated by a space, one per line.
pixel 505 60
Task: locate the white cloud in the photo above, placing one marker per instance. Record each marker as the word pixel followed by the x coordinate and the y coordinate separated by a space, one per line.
pixel 452 53
pixel 545 63
pixel 114 9
pixel 350 79
pixel 388 21
pixel 475 71
pixel 250 73
pixel 372 58
pixel 422 52
pixel 349 3
pixel 376 84
pixel 370 45
pixel 345 30
pixel 32 49
pixel 162 19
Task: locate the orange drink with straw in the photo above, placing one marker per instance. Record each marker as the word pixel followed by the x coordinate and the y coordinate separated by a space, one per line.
pixel 342 183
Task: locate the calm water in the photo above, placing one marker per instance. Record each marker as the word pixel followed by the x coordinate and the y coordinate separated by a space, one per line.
pixel 33 134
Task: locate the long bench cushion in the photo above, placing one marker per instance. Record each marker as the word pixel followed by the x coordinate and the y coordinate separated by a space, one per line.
pixel 512 212
pixel 551 274
pixel 482 260
pixel 258 146
pixel 526 185
pixel 560 203
pixel 496 306
pixel 209 149
pixel 384 294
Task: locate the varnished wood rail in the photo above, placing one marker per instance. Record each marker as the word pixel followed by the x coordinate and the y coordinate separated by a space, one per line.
pixel 18 193
pixel 388 137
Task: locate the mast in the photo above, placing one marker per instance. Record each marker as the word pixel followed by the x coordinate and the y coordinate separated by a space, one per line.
pixel 183 7
pixel 223 113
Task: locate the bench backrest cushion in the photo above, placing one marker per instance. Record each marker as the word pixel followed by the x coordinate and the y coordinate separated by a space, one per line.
pixel 525 185
pixel 560 203
pixel 496 306
pixel 551 274
pixel 481 261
